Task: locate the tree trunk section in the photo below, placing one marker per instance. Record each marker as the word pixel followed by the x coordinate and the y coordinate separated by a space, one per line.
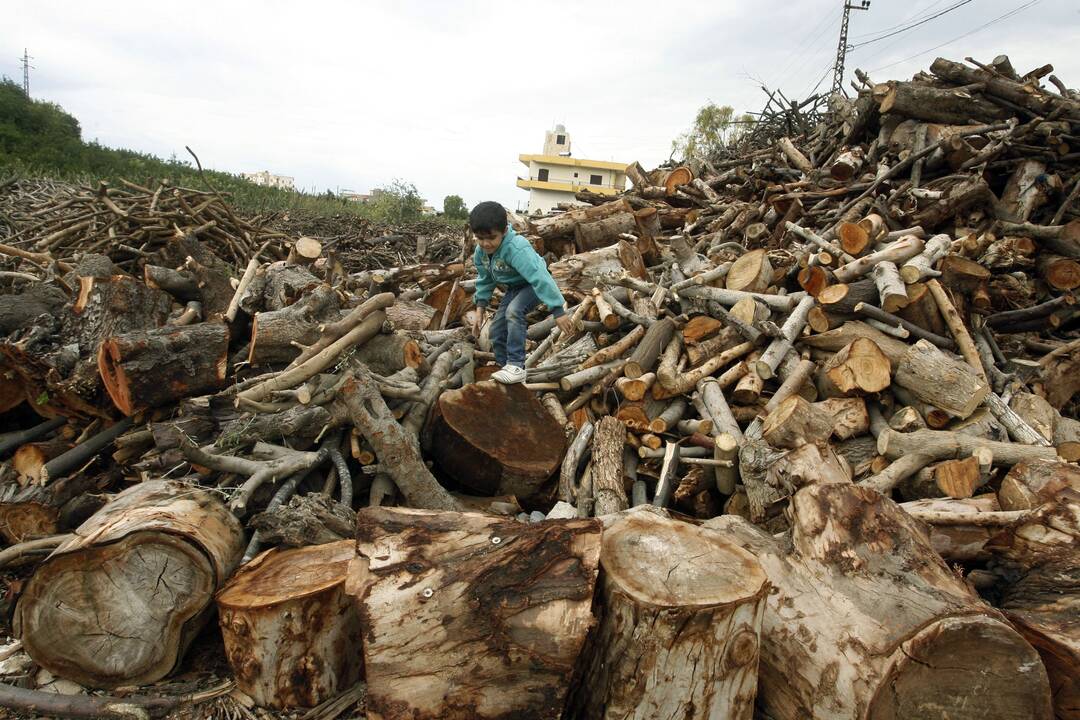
pixel 752 272
pixel 273 333
pixel 151 368
pixel 292 635
pixel 496 439
pixel 497 612
pixel 645 355
pixel 935 378
pixel 119 603
pixel 866 621
pixel 607 467
pixel 386 354
pixel 680 616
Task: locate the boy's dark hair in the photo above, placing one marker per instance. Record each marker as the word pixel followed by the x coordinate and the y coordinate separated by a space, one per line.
pixel 487 216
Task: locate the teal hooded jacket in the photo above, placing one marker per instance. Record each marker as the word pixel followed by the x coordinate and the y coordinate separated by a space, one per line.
pixel 514 264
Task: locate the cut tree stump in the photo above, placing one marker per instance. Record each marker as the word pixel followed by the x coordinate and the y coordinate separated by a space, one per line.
pixel 469 616
pixel 119 603
pixel 292 635
pixel 866 621
pixel 496 439
pixel 150 368
pixel 680 618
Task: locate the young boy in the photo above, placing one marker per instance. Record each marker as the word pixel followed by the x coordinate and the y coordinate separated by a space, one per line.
pixel 507 260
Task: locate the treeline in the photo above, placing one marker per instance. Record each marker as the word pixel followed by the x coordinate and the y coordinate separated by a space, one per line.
pixel 40 139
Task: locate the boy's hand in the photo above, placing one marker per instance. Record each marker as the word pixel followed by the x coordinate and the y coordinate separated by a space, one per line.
pixel 565 324
pixel 478 323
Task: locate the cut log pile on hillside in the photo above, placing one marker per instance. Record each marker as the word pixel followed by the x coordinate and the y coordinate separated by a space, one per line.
pixel 809 452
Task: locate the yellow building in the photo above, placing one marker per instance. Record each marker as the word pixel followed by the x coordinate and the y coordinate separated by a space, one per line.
pixel 554 176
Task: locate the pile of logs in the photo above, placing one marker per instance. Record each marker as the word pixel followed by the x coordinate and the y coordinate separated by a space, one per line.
pixel 809 451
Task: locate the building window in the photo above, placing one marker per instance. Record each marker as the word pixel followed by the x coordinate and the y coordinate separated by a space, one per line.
pixel 596 180
pixel 560 139
pixel 542 174
pixel 575 174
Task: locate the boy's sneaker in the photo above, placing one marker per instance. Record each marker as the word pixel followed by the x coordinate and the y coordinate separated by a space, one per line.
pixel 510 375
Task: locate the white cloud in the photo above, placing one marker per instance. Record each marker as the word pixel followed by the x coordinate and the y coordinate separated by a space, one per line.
pixel 447 94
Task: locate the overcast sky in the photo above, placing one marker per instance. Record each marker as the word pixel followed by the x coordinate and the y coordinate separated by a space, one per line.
pixel 447 94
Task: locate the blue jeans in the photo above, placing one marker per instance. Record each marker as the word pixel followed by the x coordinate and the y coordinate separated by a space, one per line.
pixel 508 328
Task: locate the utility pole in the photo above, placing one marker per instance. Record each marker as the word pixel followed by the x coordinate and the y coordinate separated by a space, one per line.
pixel 843 47
pixel 26 68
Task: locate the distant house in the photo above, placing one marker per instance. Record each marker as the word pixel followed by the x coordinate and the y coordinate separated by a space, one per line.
pixel 355 196
pixel 554 176
pixel 268 179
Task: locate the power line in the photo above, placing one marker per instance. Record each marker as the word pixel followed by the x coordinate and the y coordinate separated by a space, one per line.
pixel 914 25
pixel 809 41
pixel 914 16
pixel 998 19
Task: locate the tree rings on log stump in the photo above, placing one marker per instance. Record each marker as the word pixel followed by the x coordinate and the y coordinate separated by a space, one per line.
pixel 119 603
pixel 468 616
pixel 681 610
pixel 150 368
pixel 867 621
pixel 291 633
pixel 496 439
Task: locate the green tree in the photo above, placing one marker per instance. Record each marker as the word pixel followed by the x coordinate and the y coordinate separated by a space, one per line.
pixel 397 202
pixel 715 127
pixel 454 208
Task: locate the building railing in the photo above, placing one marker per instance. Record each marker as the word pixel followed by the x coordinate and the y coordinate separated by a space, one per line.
pixel 575 182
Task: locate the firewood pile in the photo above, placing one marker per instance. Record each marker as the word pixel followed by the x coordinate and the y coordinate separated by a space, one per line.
pixel 809 453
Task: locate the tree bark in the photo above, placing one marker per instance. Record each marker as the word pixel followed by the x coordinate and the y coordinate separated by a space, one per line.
pixel 119 603
pixel 497 612
pixel 292 635
pixel 607 464
pixel 680 612
pixel 866 621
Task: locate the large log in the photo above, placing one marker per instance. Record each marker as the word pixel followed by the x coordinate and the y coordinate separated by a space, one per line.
pixel 1041 559
pixel 680 615
pixel 150 368
pixel 596 234
pixel 274 333
pixel 496 439
pixel 935 378
pixel 119 603
pixel 468 616
pixel 291 633
pixel 939 105
pixel 386 354
pixel 866 621
pixel 564 224
pixel 579 272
